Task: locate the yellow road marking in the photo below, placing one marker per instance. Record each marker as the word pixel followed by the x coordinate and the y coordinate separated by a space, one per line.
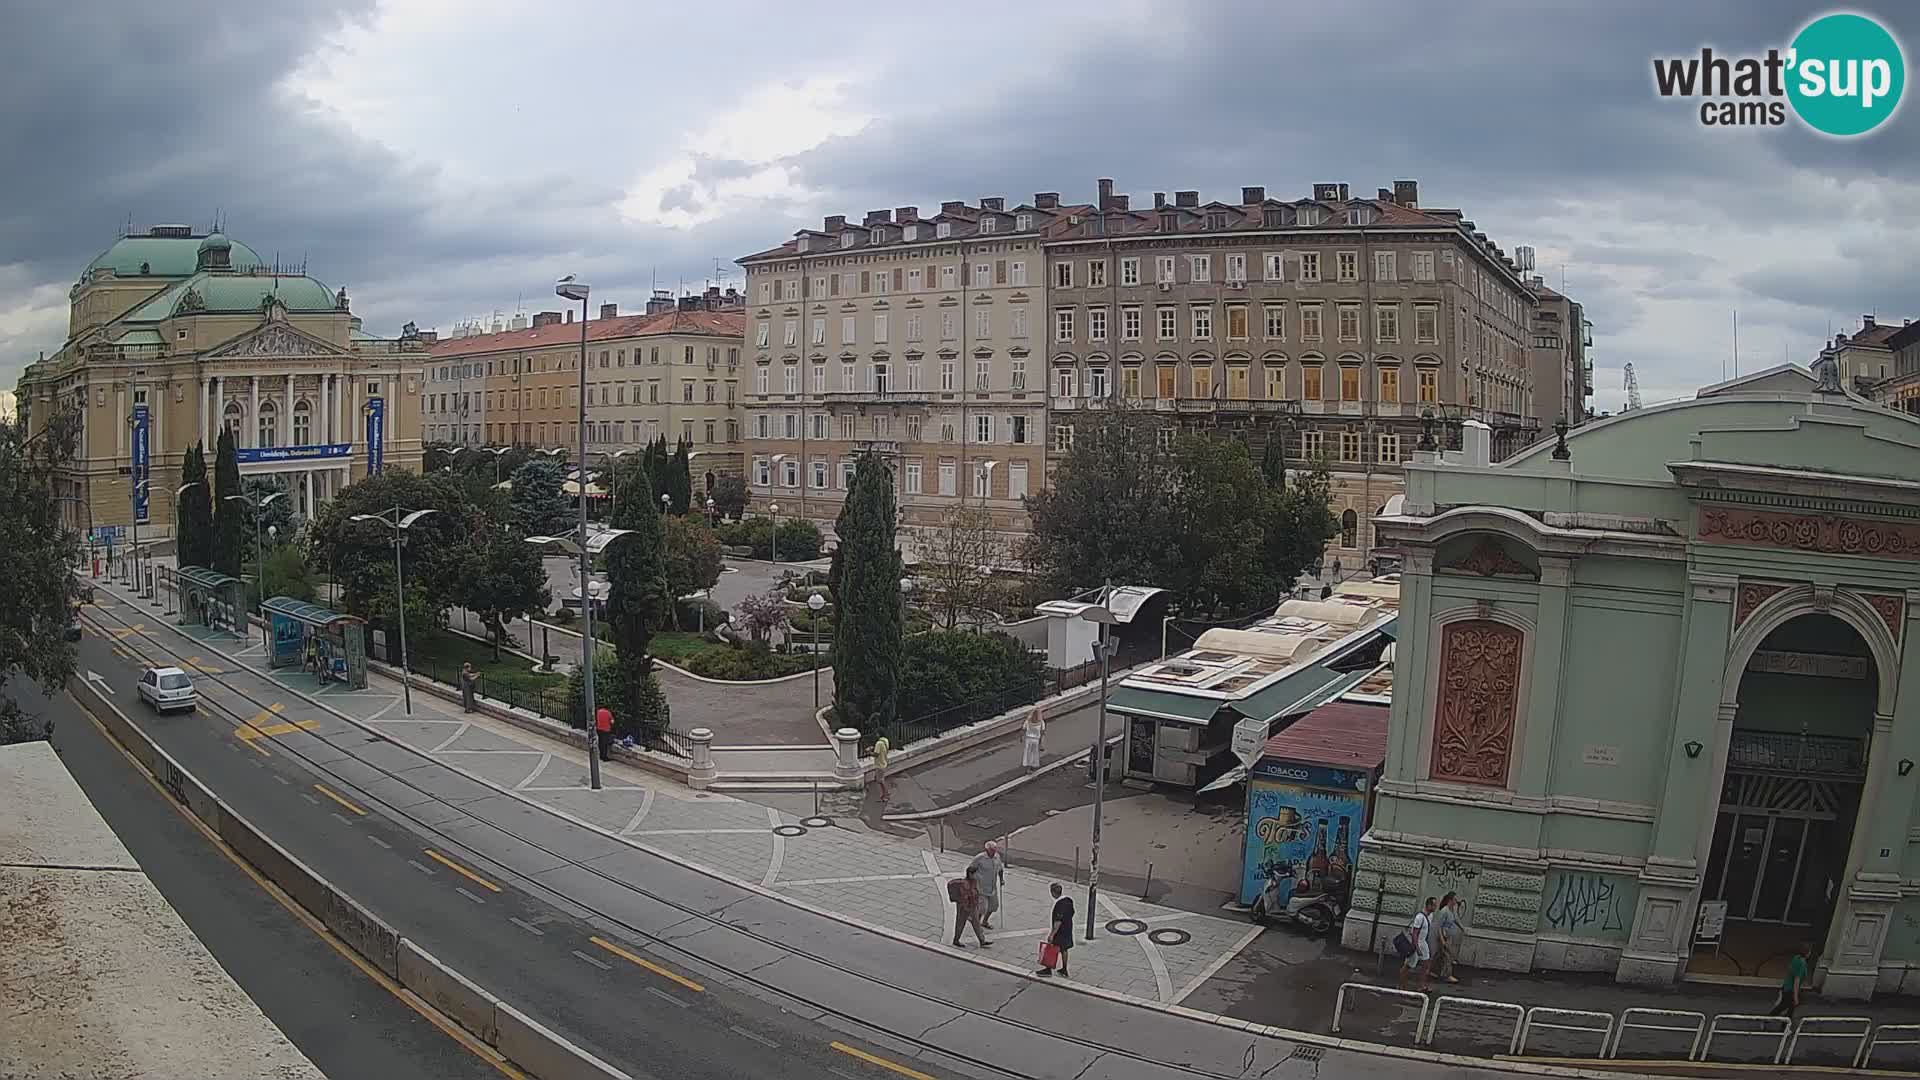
pixel 409 998
pixel 874 1059
pixel 122 653
pixel 285 727
pixel 194 663
pixel 250 733
pixel 126 632
pixel 461 870
pixel 335 796
pixel 648 964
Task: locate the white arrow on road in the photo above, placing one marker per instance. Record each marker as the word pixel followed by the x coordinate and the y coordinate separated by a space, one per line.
pixel 100 681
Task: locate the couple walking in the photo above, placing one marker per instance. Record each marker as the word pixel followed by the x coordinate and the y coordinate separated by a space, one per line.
pixel 976 900
pixel 1430 943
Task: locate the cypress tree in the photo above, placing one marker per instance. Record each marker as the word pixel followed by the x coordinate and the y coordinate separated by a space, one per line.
pixel 636 603
pixel 195 545
pixel 229 516
pixel 868 627
pixel 1273 463
pixel 678 482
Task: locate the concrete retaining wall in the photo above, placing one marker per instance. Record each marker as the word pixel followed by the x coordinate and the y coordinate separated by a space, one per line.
pixel 522 1040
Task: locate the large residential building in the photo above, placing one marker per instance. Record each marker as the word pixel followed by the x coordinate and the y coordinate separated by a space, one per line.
pixel 672 374
pixel 1334 322
pixel 918 337
pixel 1863 359
pixel 174 335
pixel 1562 371
pixel 1901 388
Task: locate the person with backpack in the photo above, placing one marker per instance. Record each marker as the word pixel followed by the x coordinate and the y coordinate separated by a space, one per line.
pixel 1415 947
pixel 965 895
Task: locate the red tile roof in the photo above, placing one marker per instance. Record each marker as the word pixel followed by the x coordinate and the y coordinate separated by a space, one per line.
pixel 963 224
pixel 712 323
pixel 1247 217
pixel 1340 735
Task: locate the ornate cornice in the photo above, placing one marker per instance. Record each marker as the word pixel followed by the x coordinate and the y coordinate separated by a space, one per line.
pixel 1826 534
pixel 1814 504
pixel 1489 559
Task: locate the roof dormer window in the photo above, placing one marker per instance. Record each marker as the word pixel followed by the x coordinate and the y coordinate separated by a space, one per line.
pixel 1169 222
pixel 943 230
pixel 1022 222
pixel 846 239
pixel 1216 219
pixel 1357 215
pixel 989 223
pixel 1273 217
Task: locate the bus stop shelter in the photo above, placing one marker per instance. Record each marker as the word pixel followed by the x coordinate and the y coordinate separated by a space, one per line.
pixel 205 597
pixel 330 645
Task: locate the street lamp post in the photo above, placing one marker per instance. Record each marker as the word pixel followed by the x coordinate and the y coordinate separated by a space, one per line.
pixel 259 552
pixel 570 289
pixel 773 539
pixel 1103 614
pixel 400 523
pixel 709 511
pixel 605 537
pixel 181 490
pixel 815 603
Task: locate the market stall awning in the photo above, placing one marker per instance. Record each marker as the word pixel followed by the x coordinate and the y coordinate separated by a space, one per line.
pixel 1184 708
pixel 1302 691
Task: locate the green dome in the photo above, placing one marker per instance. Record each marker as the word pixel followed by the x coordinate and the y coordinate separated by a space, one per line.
pixel 167 256
pixel 235 294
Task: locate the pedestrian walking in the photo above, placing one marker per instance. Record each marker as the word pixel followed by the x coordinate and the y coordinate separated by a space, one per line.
pixel 1446 938
pixel 1415 946
pixel 881 749
pixel 603 731
pixel 989 873
pixel 1032 733
pixel 1059 940
pixel 469 680
pixel 1789 999
pixel 965 894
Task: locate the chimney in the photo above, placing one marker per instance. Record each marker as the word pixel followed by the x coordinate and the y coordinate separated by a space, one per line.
pixel 1120 201
pixel 1159 200
pixel 1384 195
pixel 1326 192
pixel 1251 195
pixel 545 318
pixel 1046 200
pixel 429 337
pixel 1106 194
pixel 875 217
pixel 994 202
pixel 906 215
pixel 1476 444
pixel 1866 321
pixel 1406 192
pixel 953 206
pixel 1343 193
pixel 835 223
pixel 569 316
pixel 1190 199
pixel 609 311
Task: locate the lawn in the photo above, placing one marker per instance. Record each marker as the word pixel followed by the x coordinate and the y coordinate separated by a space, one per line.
pixel 714 660
pixel 438 655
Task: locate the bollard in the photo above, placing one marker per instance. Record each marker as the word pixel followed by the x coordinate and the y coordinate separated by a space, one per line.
pixel 700 743
pixel 1076 864
pixel 816 798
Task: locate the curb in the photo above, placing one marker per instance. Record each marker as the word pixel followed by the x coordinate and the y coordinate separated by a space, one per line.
pixel 494 1022
pixel 1310 1038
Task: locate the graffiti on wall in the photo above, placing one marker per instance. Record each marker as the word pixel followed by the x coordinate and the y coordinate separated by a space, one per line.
pixel 1588 904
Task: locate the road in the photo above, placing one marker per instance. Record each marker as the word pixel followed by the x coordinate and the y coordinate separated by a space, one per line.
pixel 346 1023
pixel 649 964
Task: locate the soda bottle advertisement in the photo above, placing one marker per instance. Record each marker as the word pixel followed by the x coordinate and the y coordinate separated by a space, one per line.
pixel 1309 836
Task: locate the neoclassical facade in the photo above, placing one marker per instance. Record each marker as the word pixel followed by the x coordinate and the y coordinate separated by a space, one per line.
pixel 1660 672
pixel 174 336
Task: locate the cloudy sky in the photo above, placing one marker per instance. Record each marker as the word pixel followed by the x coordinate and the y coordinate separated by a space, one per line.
pixel 445 159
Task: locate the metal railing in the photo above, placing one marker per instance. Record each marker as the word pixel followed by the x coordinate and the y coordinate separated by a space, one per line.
pixel 1766 1022
pixel 551 702
pixel 1911 1031
pixel 1785 752
pixel 1859 1037
pixel 902 733
pixel 1519 1017
pixel 1629 1020
pixel 1533 1023
pixel 1340 1002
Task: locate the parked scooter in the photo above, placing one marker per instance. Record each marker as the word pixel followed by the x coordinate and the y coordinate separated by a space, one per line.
pixel 1317 911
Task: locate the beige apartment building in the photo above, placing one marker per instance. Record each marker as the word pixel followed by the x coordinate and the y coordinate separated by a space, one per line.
pixel 1333 322
pixel 1562 370
pixel 921 338
pixel 672 374
pixel 175 335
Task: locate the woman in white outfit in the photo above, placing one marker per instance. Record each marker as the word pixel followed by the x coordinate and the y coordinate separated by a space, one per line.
pixel 1032 732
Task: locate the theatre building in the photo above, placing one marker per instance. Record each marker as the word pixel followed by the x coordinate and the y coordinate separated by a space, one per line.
pixel 1657 705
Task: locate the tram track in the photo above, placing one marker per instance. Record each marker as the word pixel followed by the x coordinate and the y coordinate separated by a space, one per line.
pixel 150 651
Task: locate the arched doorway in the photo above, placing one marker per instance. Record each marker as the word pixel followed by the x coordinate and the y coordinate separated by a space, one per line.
pixel 1790 800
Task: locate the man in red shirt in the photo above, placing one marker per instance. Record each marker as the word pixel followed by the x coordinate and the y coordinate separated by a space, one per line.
pixel 603 726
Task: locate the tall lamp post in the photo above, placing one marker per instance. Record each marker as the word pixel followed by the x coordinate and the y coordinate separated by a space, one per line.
pixel 815 603
pixel 259 552
pixel 709 511
pixel 1102 614
pixel 568 288
pixel 773 539
pixel 601 540
pixel 401 522
pixel 177 562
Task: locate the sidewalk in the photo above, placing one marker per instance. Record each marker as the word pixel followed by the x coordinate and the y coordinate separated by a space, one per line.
pixel 839 869
pixel 971 773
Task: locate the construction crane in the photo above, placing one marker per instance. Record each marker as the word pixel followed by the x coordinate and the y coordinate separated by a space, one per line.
pixel 1632 382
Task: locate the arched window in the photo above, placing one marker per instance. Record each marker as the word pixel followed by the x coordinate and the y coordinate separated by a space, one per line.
pixel 269 424
pixel 302 424
pixel 1349 529
pixel 234 420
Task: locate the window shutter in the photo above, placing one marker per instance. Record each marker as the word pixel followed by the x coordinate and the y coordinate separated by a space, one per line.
pixel 933 281
pixel 833 285
pixel 866 281
pixel 999 271
pixel 899 279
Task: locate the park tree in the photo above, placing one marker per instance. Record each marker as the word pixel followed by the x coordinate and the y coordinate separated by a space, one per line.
pixel 230 539
pixel 1219 508
pixel 540 503
pixel 637 602
pixel 1273 459
pixel 730 496
pixel 1299 523
pixel 37 604
pixel 194 546
pixel 958 558
pixel 677 482
pixel 868 627
pixel 435 551
pixel 1105 514
pixel 760 614
pixel 691 560
pixel 505 579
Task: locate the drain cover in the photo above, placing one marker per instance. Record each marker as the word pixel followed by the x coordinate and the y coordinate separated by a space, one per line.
pixel 1306 1053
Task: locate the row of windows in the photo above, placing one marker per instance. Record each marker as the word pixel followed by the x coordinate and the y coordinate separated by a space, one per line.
pixel 914 325
pixel 1315 383
pixel 912 475
pixel 599 394
pixel 1312 444
pixel 1308 322
pixel 267 425
pixel 1306 267
pixel 607 358
pixel 610 431
pixel 884 377
pixel 900 279
pixel 1014 429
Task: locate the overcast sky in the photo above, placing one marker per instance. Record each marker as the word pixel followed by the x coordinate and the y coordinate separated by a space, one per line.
pixel 445 159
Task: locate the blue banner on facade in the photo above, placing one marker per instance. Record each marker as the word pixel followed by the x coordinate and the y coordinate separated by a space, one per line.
pixel 142 461
pixel 292 453
pixel 376 434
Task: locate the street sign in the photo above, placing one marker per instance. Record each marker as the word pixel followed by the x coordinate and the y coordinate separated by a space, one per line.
pixel 1712 924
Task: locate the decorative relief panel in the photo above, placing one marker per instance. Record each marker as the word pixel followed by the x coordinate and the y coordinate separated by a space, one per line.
pixel 1478 698
pixel 1891 608
pixel 1824 533
pixel 1489 559
pixel 1752 595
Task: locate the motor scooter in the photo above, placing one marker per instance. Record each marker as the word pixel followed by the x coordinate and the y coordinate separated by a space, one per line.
pixel 1318 912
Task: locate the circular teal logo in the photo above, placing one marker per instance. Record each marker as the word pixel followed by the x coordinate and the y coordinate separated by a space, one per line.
pixel 1846 74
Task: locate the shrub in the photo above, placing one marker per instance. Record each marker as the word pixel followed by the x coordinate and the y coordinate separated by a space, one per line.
pixel 800 540
pixel 944 668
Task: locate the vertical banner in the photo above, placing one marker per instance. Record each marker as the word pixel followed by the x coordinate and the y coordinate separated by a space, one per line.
pixel 376 434
pixel 142 425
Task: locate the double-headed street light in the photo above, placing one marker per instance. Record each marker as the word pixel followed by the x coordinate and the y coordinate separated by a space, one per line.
pixel 402 520
pixel 587 549
pixel 259 552
pixel 570 288
pixel 1101 613
pixel 815 603
pixel 774 538
pixel 709 511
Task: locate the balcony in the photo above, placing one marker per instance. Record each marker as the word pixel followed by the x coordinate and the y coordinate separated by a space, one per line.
pixel 877 397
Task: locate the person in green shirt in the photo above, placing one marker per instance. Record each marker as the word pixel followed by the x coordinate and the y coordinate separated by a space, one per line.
pixel 881 748
pixel 1790 986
